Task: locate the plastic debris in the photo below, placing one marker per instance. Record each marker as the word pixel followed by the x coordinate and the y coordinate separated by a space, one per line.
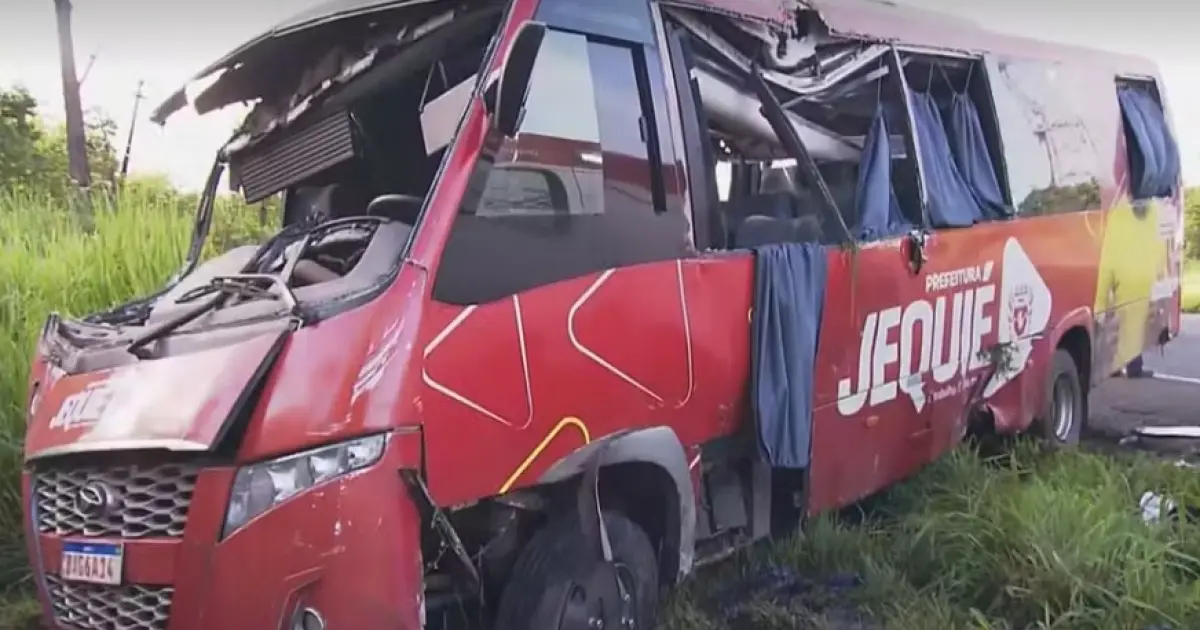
pixel 1178 440
pixel 1155 507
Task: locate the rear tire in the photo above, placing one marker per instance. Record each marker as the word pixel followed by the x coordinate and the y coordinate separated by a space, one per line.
pixel 557 559
pixel 1064 411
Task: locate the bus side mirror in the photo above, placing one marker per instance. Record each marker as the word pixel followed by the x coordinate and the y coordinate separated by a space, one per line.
pixel 505 95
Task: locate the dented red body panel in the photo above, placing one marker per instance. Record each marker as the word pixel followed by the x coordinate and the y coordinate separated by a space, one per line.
pixel 485 399
pixel 181 402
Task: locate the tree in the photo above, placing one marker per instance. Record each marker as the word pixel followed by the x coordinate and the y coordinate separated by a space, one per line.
pixel 20 133
pixel 33 155
pixel 76 129
pixel 101 150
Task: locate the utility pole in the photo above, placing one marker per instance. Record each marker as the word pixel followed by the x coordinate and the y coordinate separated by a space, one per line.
pixel 76 132
pixel 137 99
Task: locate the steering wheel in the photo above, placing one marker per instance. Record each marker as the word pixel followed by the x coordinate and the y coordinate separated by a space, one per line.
pixel 404 207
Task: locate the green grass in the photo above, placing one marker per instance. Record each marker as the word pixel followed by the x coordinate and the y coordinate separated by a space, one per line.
pixel 1034 541
pixel 19 613
pixel 1038 542
pixel 47 263
pixel 1191 287
pixel 18 607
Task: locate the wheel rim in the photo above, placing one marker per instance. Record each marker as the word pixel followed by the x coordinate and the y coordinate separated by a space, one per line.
pixel 626 585
pixel 626 610
pixel 1064 408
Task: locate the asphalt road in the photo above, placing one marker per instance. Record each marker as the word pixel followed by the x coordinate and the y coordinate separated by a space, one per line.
pixel 1119 405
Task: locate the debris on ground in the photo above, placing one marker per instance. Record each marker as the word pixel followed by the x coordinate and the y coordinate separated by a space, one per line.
pixel 784 589
pixel 1155 507
pixel 1181 440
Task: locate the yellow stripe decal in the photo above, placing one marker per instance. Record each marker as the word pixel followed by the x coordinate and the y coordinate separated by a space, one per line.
pixel 569 421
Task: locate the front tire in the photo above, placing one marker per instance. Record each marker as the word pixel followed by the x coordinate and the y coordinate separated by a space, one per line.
pixel 1064 412
pixel 554 570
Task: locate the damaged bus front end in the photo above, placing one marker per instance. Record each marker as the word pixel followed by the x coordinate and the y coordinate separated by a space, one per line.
pixel 225 452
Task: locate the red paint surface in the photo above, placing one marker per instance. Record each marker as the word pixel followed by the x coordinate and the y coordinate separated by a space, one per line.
pixel 656 344
pixel 213 380
pixel 346 548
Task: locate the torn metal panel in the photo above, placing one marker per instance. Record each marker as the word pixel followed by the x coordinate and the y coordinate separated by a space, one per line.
pixel 1182 432
pixel 872 20
pixel 811 75
pixel 882 20
pixel 326 80
pixel 780 13
pixel 1177 439
pixel 249 68
pixel 339 10
pixel 738 113
pixel 877 20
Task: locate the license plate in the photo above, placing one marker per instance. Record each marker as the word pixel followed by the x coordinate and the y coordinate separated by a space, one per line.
pixel 96 563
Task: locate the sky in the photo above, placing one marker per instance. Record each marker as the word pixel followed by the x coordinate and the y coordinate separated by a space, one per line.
pixel 164 43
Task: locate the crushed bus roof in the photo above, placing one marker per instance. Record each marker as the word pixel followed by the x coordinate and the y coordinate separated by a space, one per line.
pixel 276 39
pixel 875 20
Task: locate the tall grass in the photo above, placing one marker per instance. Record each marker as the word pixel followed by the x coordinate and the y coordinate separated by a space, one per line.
pixel 47 263
pixel 1190 302
pixel 1033 541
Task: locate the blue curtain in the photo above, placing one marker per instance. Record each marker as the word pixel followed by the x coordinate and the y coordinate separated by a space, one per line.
pixel 877 210
pixel 972 157
pixel 1144 158
pixel 1154 165
pixel 951 202
pixel 789 301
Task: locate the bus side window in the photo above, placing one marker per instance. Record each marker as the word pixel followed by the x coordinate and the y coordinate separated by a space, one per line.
pixel 962 165
pixel 1152 153
pixel 575 191
pixel 1054 165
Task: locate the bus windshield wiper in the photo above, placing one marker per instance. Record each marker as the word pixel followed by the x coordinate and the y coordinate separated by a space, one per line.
pixel 220 289
pixel 242 285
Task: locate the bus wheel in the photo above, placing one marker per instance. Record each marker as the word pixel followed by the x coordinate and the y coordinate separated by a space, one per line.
pixel 1061 422
pixel 560 583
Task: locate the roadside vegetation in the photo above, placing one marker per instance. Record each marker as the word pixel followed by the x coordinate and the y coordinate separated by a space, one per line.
pixel 1028 541
pixel 1191 287
pixel 1191 270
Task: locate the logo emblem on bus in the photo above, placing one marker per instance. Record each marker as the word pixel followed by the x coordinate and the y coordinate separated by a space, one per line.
pixel 95 500
pixel 1020 306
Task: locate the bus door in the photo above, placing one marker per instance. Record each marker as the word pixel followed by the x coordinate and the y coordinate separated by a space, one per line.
pixel 884 418
pixel 882 396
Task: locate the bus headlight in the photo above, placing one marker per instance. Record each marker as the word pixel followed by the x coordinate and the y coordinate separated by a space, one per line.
pixel 260 487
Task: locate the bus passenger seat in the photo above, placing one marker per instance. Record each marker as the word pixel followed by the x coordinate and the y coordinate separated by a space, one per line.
pixel 808 228
pixel 770 206
pixel 755 231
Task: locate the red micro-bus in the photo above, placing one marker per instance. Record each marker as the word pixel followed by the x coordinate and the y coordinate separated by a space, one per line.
pixel 571 297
